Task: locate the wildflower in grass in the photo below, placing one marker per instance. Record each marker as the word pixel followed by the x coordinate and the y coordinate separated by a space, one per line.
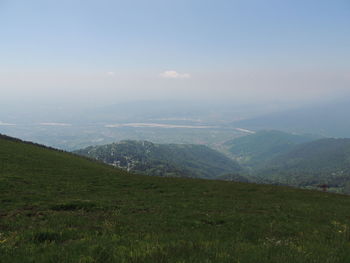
pixel 2 238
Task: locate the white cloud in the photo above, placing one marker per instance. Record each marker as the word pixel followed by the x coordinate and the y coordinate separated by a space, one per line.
pixel 111 73
pixel 172 74
pixel 6 124
pixel 55 124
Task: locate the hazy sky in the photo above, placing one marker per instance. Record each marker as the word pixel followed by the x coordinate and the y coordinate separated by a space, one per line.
pixel 108 51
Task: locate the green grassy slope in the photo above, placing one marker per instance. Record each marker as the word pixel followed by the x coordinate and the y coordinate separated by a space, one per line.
pixel 176 160
pixel 57 207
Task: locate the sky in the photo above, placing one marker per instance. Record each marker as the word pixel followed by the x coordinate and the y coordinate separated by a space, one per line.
pixel 104 52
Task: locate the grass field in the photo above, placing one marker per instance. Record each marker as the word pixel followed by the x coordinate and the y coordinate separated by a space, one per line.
pixel 57 207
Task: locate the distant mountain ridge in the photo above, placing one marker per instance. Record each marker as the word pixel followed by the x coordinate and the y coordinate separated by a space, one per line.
pixel 255 149
pixel 176 160
pixel 290 159
pixel 324 161
pixel 328 120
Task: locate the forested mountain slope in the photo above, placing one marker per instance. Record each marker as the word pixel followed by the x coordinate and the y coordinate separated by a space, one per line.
pixel 177 160
pixel 254 149
pixel 322 161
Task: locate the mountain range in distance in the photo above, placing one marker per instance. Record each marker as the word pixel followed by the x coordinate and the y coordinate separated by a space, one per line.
pixel 177 160
pixel 267 156
pixel 326 119
pixel 294 159
pixel 256 149
pixel 324 161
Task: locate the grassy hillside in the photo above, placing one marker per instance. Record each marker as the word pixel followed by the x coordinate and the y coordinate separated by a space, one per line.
pixel 176 160
pixel 255 149
pixel 57 207
pixel 325 161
